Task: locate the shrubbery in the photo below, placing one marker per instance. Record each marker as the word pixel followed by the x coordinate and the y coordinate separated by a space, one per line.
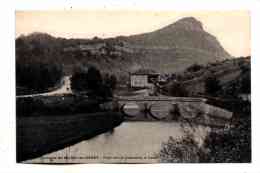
pixel 194 68
pixel 184 150
pixel 235 144
pixel 228 146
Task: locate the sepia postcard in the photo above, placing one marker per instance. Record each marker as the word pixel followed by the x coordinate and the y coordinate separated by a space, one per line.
pixel 133 86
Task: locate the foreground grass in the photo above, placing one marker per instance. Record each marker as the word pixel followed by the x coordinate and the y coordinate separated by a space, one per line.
pixel 40 135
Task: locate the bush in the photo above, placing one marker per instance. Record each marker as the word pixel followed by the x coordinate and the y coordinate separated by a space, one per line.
pixel 212 85
pixel 194 68
pixel 231 147
pixel 234 145
pixel 184 150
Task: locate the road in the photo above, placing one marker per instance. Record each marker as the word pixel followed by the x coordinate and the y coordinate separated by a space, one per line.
pixel 64 88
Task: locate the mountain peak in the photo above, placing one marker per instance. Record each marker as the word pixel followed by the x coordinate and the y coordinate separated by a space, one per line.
pixel 189 23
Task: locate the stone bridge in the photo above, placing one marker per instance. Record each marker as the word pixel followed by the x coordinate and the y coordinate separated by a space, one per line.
pixel 154 108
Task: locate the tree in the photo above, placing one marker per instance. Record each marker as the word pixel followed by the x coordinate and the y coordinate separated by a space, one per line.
pixel 246 83
pixel 110 81
pixel 79 81
pixel 212 85
pixel 92 82
pixel 94 78
pixel 37 76
pixel 177 89
pixel 86 80
pixel 175 112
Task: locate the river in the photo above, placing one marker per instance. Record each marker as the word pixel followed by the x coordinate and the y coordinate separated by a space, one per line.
pixel 132 142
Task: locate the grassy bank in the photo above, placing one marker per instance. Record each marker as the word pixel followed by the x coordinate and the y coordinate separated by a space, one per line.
pixel 40 135
pixel 55 105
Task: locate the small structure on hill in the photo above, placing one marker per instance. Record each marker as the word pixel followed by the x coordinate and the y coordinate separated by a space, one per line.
pixel 143 78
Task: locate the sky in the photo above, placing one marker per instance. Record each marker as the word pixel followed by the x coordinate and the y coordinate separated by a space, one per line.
pixel 232 28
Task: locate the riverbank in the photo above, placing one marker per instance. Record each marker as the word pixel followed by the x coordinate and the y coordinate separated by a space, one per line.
pixel 40 135
pixel 63 105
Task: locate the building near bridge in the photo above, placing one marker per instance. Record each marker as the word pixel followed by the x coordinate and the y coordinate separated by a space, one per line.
pixel 143 78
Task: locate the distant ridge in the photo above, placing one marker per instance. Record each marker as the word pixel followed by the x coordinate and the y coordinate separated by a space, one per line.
pixel 166 50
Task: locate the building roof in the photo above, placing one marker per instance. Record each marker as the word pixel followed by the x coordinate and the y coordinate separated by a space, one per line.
pixel 145 72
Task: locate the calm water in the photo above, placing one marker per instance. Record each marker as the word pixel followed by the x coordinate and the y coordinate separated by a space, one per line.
pixel 131 142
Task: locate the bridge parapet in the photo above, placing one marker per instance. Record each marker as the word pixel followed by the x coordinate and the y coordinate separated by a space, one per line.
pixel 194 110
pixel 161 98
